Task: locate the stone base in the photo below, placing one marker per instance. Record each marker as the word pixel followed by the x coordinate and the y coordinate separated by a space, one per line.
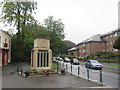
pixel 36 71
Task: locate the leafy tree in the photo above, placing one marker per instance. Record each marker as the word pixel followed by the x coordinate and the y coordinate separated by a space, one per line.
pixel 56 32
pixel 55 26
pixel 116 44
pixel 18 14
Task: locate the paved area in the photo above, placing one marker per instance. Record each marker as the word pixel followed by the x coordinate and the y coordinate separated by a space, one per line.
pixel 10 79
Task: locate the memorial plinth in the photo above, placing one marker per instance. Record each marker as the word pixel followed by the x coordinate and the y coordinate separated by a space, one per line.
pixel 41 54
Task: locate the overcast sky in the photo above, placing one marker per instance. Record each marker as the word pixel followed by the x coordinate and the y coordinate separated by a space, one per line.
pixel 82 18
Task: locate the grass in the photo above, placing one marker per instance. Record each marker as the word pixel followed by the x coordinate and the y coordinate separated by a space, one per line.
pixel 111 64
pixel 54 65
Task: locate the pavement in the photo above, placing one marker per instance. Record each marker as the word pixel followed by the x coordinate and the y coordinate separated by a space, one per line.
pixel 10 79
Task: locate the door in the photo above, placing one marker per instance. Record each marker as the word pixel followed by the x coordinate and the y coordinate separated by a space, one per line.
pixel 4 57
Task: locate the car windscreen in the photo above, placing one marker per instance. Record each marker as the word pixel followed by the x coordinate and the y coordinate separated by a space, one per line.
pixel 67 59
pixel 94 61
pixel 75 60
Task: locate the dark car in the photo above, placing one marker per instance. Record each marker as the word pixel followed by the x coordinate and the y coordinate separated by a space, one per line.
pixel 93 64
pixel 75 61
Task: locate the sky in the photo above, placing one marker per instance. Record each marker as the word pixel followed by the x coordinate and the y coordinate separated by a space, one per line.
pixel 82 18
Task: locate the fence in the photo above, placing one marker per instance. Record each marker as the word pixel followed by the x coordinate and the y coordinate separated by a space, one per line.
pixel 81 71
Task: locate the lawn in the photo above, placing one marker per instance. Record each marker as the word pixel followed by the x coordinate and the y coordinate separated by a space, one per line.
pixel 54 65
pixel 111 64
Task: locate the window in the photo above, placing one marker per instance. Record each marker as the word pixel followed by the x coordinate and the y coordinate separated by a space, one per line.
pixel 111 36
pixel 88 44
pixel 116 34
pixel 88 50
pixel 111 42
pixel 83 44
pixel 107 37
pixel 84 50
pixel 107 43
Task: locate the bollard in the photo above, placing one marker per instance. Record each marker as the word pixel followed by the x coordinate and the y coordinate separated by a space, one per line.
pixel 60 65
pixel 57 66
pixel 101 76
pixel 87 73
pixel 21 71
pixel 17 70
pixel 71 68
pixel 66 67
pixel 27 74
pixel 63 65
pixel 78 70
pixel 63 71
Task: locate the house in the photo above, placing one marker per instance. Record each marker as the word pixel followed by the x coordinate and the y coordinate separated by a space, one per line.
pixel 110 38
pixel 5 48
pixel 97 44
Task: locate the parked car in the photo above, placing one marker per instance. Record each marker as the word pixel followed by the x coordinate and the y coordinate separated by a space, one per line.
pixel 54 59
pixel 93 64
pixel 57 58
pixel 75 61
pixel 66 59
pixel 60 59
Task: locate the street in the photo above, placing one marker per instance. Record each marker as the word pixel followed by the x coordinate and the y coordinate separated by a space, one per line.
pixel 108 78
pixel 11 79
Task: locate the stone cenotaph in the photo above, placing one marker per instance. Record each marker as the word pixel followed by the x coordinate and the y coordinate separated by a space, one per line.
pixel 41 55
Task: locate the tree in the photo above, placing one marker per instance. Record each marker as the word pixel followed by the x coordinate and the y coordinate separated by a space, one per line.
pixel 18 14
pixel 116 44
pixel 56 30
pixel 55 26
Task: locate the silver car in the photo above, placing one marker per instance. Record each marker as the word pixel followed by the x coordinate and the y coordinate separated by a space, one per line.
pixel 93 64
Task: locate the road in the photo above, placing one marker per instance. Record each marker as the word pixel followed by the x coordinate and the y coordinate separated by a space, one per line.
pixel 108 78
pixel 10 79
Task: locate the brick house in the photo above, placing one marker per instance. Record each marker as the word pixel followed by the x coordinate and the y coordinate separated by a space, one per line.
pixel 96 44
pixel 110 37
pixel 5 48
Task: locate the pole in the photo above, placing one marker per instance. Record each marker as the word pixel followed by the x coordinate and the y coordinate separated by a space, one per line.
pixel 71 68
pixel 78 70
pixel 57 66
pixel 66 67
pixel 17 70
pixel 87 72
pixel 21 71
pixel 101 76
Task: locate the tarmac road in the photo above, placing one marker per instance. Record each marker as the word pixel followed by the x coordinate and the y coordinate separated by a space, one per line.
pixel 10 79
pixel 109 77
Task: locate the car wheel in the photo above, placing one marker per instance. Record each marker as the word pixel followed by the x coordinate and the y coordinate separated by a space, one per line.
pixel 86 66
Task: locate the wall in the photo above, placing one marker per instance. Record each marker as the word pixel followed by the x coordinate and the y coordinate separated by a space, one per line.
pixel 5 38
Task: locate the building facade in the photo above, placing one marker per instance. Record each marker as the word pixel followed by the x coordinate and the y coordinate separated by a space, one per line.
pixel 96 44
pixel 5 48
pixel 110 38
